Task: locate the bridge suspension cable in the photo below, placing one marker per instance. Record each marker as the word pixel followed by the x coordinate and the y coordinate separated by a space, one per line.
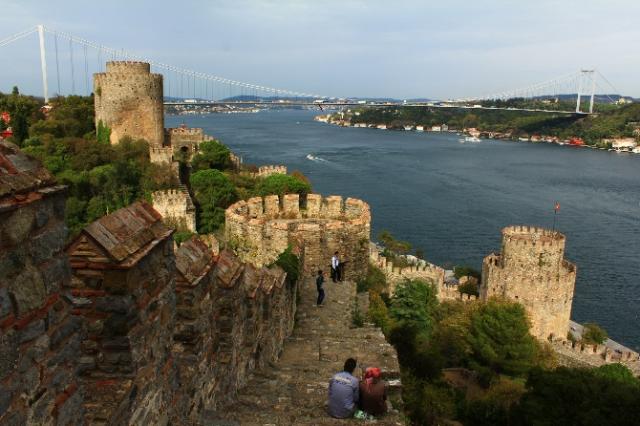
pixel 179 70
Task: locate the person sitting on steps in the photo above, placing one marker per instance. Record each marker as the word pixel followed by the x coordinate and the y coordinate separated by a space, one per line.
pixel 373 393
pixel 319 282
pixel 343 392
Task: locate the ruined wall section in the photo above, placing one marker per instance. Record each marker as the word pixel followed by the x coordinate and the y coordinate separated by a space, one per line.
pixel 39 337
pixel 129 101
pixel 262 228
pixel 176 208
pixel 266 171
pixel 532 270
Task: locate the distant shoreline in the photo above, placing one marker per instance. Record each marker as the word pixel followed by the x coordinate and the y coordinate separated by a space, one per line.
pixel 483 134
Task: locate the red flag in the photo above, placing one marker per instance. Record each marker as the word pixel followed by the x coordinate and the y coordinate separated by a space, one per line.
pixel 557 207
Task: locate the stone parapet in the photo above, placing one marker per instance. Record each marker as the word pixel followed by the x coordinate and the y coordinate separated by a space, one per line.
pixel 262 228
pixel 39 336
pixel 176 208
pixel 422 270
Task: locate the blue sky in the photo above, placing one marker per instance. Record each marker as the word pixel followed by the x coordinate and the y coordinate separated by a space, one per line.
pixel 400 48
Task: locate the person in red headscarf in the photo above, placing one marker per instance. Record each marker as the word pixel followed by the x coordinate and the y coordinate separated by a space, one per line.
pixel 373 392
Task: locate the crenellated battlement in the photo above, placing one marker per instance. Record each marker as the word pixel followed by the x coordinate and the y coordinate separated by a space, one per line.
pixel 176 207
pixel 265 171
pixel 422 270
pixel 159 155
pixel 294 207
pixel 263 227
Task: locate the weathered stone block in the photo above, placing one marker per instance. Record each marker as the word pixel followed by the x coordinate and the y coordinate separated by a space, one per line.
pixel 18 225
pixel 28 290
pixel 46 244
pixel 32 330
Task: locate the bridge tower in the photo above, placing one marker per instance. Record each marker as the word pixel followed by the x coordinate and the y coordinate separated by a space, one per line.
pixel 586 76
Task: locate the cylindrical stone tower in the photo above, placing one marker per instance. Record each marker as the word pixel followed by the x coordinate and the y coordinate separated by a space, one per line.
pixel 128 101
pixel 532 270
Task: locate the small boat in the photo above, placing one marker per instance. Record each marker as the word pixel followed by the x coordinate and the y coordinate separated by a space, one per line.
pixel 472 139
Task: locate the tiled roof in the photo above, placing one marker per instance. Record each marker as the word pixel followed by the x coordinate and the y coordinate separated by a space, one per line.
pixel 128 230
pixel 20 173
pixel 192 259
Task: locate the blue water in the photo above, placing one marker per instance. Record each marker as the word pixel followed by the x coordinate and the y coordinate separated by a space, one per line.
pixel 452 199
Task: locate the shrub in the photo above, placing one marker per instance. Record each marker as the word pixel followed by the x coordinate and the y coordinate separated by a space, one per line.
pixel 375 280
pixel 357 319
pixel 182 236
pixel 378 312
pixel 469 288
pixel 290 263
pixel 594 334
pixel 280 184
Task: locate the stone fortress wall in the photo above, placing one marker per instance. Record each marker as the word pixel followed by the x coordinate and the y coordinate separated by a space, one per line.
pixel 185 139
pixel 262 228
pixel 265 171
pixel 129 101
pixel 117 328
pixel 176 207
pixel 422 270
pixel 39 341
pixel 531 270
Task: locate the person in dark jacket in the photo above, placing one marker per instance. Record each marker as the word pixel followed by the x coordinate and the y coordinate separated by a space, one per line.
pixel 319 282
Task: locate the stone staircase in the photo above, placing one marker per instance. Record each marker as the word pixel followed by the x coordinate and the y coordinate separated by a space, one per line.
pixel 294 391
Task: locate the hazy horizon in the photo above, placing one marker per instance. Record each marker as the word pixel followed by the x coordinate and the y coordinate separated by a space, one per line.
pixel 412 49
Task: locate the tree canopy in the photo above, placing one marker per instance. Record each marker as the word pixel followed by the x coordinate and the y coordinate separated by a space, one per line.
pixel 500 339
pixel 214 192
pixel 212 155
pixel 280 184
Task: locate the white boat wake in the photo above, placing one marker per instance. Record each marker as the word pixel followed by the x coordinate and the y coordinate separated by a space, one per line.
pixel 316 159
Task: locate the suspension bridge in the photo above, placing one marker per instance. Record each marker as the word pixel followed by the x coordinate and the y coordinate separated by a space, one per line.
pixel 75 59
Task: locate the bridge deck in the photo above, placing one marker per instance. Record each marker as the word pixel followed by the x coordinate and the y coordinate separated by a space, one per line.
pixel 294 391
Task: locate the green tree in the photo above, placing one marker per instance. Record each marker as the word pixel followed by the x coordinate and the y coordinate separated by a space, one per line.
pixel 414 301
pixel 617 372
pixel 500 339
pixel 567 396
pixel 393 245
pixel 214 192
pixel 280 184
pixel 594 334
pixel 212 155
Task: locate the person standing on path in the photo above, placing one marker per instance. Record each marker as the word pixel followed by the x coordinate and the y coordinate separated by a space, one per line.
pixel 319 283
pixel 344 392
pixel 335 268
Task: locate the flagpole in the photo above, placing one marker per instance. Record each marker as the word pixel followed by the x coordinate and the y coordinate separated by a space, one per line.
pixel 556 208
